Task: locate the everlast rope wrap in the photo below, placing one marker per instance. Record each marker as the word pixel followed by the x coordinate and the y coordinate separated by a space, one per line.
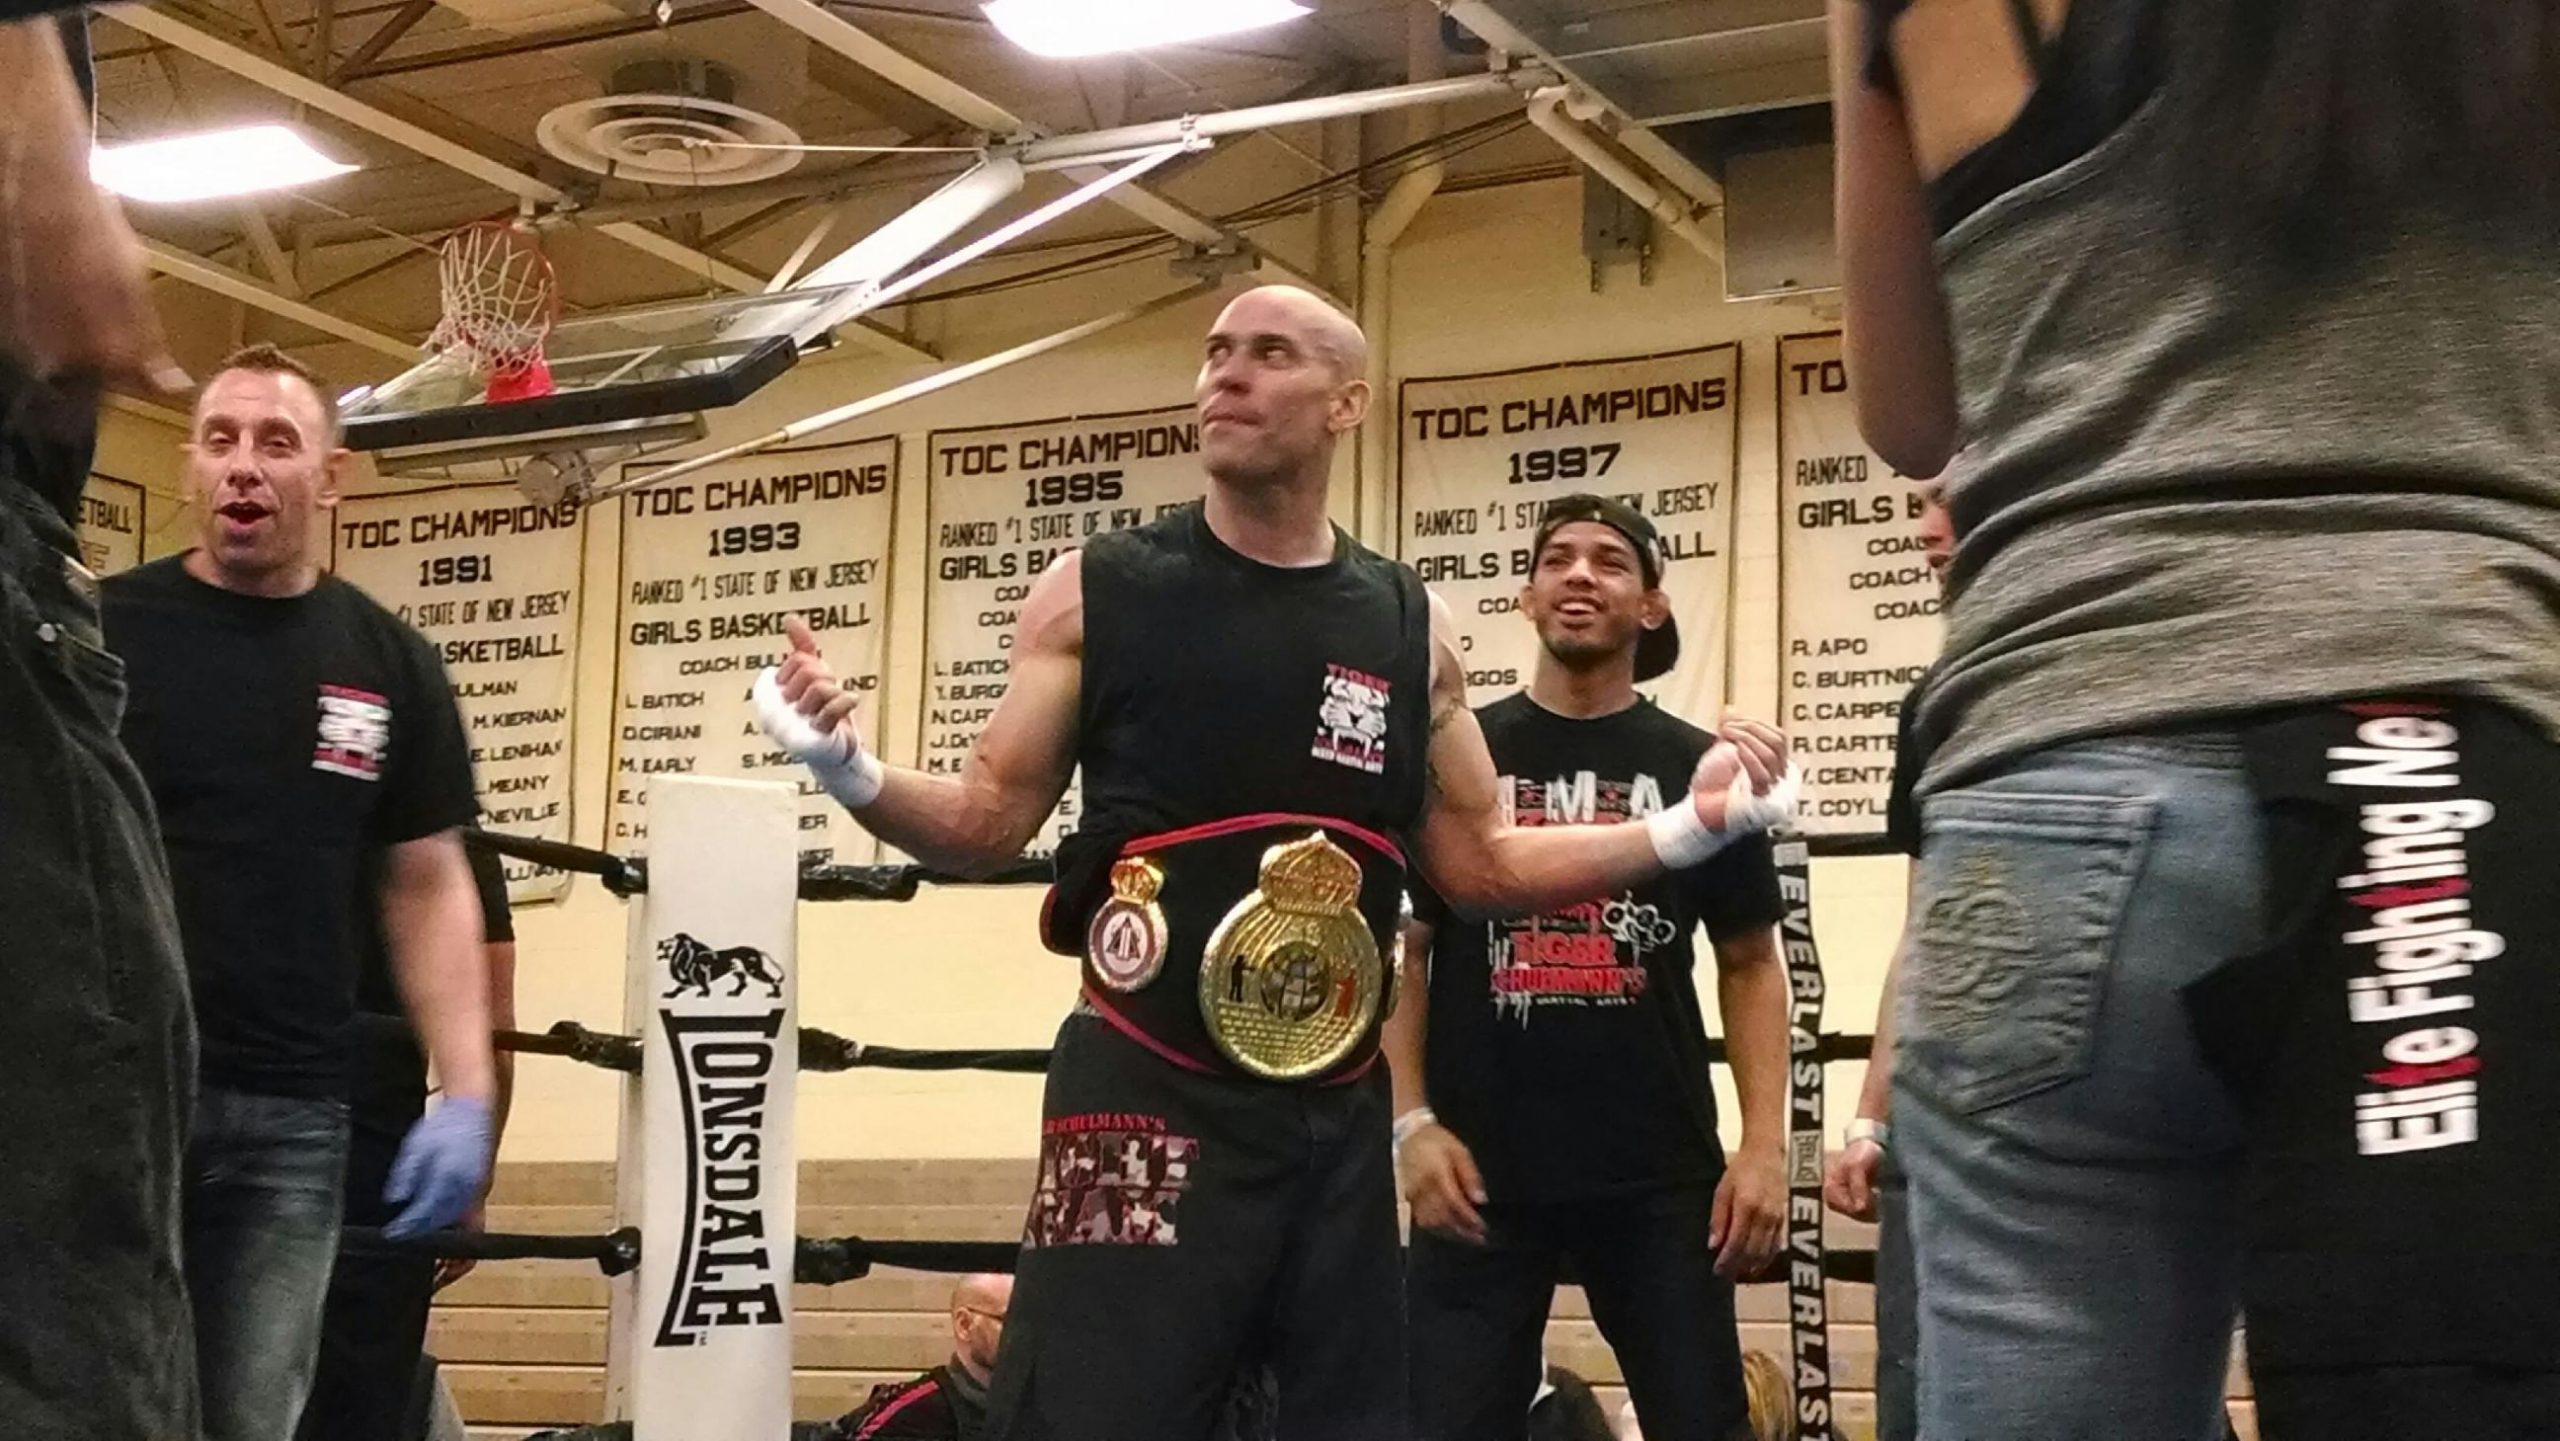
pixel 1808 1304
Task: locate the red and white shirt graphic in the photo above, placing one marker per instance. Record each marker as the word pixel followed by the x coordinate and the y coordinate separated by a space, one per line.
pixel 1592 954
pixel 1351 721
pixel 355 733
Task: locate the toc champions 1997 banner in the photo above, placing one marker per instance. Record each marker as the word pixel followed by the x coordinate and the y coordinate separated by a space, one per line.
pixel 1003 504
pixel 494 581
pixel 1857 607
pixel 712 565
pixel 1480 456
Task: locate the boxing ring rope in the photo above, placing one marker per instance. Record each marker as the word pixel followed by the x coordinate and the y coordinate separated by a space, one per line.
pixel 825 1051
pixel 723 875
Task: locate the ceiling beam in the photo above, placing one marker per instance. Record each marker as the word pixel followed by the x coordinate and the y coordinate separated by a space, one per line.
pixel 223 280
pixel 381 39
pixel 978 112
pixel 1497 30
pixel 330 100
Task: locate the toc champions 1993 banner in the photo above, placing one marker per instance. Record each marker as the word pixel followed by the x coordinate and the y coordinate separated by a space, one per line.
pixel 1857 607
pixel 494 581
pixel 1004 503
pixel 712 565
pixel 1480 456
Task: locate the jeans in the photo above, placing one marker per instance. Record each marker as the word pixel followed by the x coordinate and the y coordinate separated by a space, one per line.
pixel 263 1181
pixel 1897 1309
pixel 2074 1165
pixel 1478 1315
pixel 97 1046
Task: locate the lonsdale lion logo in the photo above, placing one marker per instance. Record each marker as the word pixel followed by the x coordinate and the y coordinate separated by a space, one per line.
pixel 693 966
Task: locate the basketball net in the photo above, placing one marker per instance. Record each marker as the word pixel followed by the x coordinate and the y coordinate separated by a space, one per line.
pixel 500 300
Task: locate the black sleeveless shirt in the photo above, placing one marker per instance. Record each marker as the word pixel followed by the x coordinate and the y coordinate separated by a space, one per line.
pixel 1245 700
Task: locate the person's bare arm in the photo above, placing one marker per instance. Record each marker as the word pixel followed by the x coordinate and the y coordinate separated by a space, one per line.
pixel 1402 1038
pixel 501 957
pixel 980 819
pixel 1484 866
pixel 1849 1174
pixel 72 303
pixel 1751 1201
pixel 431 924
pixel 1435 1169
pixel 1901 362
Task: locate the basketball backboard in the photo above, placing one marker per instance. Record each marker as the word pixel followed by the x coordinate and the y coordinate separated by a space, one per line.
pixel 610 374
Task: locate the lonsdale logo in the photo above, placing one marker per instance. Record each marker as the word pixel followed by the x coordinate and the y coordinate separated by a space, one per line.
pixel 727 1272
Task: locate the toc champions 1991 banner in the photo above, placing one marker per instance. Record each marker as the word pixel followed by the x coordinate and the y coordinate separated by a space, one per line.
pixel 711 567
pixel 1857 607
pixel 1004 503
pixel 1480 456
pixel 494 581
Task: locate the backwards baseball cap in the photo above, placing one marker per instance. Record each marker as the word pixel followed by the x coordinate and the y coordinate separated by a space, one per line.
pixel 1657 650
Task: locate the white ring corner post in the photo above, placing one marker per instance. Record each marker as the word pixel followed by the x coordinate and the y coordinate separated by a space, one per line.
pixel 699 1347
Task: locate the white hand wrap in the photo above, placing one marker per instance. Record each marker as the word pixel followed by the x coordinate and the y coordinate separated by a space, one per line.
pixel 1411 1122
pixel 847 772
pixel 1681 837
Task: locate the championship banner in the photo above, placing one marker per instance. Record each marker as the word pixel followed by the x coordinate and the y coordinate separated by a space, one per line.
pixel 494 581
pixel 110 525
pixel 712 990
pixel 1002 503
pixel 1808 1299
pixel 1857 608
pixel 1480 456
pixel 711 567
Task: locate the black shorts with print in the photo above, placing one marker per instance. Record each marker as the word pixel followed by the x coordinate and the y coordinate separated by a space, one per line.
pixel 1190 1233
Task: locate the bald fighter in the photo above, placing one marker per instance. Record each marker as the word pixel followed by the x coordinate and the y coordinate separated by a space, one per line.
pixel 1270 719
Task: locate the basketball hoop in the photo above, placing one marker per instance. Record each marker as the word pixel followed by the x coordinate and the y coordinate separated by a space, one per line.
pixel 500 300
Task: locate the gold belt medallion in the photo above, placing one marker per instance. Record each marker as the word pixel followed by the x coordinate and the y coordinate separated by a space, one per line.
pixel 1291 979
pixel 1126 941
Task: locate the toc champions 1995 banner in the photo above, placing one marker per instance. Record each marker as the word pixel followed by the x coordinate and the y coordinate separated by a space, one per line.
pixel 494 581
pixel 1004 503
pixel 711 567
pixel 1480 456
pixel 1857 607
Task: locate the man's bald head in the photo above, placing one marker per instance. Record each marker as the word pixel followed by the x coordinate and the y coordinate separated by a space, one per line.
pixel 1283 375
pixel 985 1291
pixel 978 1304
pixel 1289 308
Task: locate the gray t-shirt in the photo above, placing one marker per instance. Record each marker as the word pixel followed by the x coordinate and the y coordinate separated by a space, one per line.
pixel 2194 489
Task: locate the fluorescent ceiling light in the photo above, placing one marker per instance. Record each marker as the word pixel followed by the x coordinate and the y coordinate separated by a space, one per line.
pixel 204 167
pixel 1068 29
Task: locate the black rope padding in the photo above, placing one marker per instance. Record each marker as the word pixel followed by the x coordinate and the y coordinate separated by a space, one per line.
pixel 822 1051
pixel 900 883
pixel 613 1253
pixel 833 1262
pixel 628 876
pixel 624 877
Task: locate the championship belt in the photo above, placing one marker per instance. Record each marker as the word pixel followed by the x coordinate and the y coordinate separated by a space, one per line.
pixel 1291 980
pixel 1126 940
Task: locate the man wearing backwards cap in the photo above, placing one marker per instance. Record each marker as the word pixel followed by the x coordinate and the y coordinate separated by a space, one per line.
pixel 1569 1049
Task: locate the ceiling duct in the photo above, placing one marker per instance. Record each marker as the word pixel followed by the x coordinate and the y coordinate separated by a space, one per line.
pixel 671 122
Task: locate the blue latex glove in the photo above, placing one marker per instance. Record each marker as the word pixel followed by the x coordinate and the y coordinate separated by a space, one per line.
pixel 442 1168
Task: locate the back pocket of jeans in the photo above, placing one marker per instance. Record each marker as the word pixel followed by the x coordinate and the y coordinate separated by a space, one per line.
pixel 2016 912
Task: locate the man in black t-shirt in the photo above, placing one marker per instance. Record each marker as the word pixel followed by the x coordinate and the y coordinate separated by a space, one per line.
pixel 297 737
pixel 97 1065
pixel 373 1333
pixel 1552 1088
